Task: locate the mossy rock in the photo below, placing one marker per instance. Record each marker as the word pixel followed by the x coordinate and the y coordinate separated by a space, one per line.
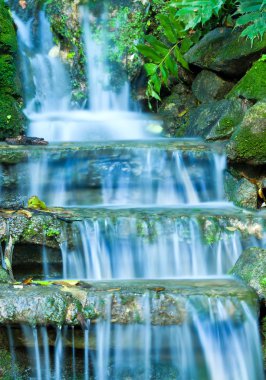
pixel 208 86
pixel 253 84
pixel 8 38
pixel 248 142
pixel 251 268
pixel 4 276
pixel 11 118
pixel 215 120
pixel 223 50
pixel 240 191
pixel 8 75
pixel 8 369
pixel 175 110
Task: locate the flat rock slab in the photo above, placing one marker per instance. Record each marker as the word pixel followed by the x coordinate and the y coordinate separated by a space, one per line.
pixel 163 302
pixel 10 154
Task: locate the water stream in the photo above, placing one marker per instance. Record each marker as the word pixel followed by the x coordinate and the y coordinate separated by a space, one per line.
pixel 217 337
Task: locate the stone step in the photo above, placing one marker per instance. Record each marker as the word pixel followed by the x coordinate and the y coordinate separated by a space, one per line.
pixel 135 237
pixel 163 302
pixel 127 172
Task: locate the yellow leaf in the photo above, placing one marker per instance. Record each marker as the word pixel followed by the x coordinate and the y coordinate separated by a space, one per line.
pixel 232 229
pixel 26 213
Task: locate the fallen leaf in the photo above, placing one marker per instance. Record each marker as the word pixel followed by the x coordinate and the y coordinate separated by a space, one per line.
pixel 114 290
pixel 67 283
pixel 232 229
pixel 28 281
pixel 157 289
pixel 26 213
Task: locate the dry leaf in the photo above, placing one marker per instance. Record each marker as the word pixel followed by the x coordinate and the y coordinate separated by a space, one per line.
pixel 114 290
pixel 28 281
pixel 26 213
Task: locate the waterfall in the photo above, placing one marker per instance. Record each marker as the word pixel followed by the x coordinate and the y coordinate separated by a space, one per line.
pixel 154 245
pixel 208 343
pixel 121 176
pixel 47 88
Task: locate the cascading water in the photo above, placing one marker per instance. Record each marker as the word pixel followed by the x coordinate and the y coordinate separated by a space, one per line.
pixel 215 338
pixel 47 88
pixel 207 344
pixel 151 245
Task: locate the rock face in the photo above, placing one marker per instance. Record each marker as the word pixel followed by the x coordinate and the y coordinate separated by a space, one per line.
pixel 208 86
pixel 176 108
pixel 72 303
pixel 240 191
pixel 251 267
pixel 248 143
pixel 215 120
pixel 224 51
pixel 253 84
pixel 11 119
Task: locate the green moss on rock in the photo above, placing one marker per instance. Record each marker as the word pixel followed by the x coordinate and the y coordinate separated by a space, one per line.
pixel 8 369
pixel 253 84
pixel 240 191
pixel 8 38
pixel 251 268
pixel 11 119
pixel 7 74
pixel 215 120
pixel 224 50
pixel 248 143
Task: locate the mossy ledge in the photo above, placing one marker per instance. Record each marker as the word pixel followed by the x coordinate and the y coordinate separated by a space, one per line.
pixel 73 302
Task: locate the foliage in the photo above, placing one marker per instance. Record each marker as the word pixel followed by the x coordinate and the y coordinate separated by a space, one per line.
pixel 253 16
pixel 180 23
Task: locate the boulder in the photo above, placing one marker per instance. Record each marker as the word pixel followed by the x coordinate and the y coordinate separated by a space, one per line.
pixel 248 142
pixel 223 50
pixel 175 110
pixel 208 86
pixel 251 267
pixel 215 120
pixel 240 191
pixel 253 85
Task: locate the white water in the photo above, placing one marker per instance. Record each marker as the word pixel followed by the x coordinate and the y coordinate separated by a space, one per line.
pixel 47 89
pixel 123 176
pixel 218 340
pixel 154 246
pixel 221 343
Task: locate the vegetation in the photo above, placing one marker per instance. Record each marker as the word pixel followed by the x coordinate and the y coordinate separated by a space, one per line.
pixel 180 24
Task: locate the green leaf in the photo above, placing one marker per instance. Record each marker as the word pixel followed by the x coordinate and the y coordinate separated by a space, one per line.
pixel 181 59
pixel 149 52
pixel 151 68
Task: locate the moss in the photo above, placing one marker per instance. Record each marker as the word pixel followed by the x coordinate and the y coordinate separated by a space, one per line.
pixel 8 369
pixel 253 84
pixel 11 119
pixel 7 74
pixel 248 143
pixel 8 38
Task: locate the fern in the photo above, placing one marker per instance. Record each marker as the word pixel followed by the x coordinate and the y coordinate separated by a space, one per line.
pixel 178 21
pixel 195 12
pixel 253 16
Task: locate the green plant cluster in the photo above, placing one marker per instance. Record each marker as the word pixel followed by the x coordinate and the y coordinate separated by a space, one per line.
pixel 180 23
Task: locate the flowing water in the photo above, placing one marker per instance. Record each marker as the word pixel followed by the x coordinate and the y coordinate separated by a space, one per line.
pixel 217 337
pixel 206 345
